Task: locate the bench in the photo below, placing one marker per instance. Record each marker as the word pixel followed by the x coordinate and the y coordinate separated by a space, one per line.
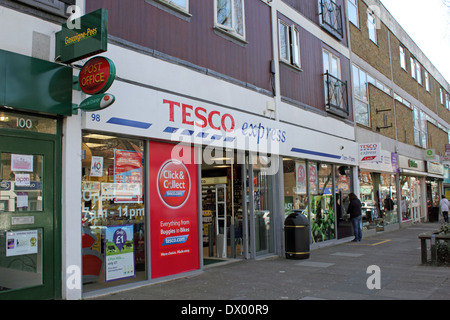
pixel 433 236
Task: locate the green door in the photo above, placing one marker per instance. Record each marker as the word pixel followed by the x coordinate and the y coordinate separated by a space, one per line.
pixel 29 241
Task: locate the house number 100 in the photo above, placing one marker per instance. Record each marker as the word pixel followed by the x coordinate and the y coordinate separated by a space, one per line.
pixel 24 123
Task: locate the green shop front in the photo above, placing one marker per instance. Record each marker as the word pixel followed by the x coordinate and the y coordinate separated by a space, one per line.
pixel 35 97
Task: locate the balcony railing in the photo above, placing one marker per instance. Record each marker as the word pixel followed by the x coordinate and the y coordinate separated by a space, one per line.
pixel 336 95
pixel 331 17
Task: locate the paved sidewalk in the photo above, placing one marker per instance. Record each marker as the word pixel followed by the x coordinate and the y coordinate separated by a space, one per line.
pixel 332 273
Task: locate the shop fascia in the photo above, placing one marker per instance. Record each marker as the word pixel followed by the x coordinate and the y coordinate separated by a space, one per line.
pixel 411 166
pixel 388 163
pixel 150 113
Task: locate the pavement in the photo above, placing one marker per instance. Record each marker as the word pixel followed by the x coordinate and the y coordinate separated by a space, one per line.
pixel 385 266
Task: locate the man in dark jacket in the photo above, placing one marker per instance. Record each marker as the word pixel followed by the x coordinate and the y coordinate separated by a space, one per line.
pixel 354 210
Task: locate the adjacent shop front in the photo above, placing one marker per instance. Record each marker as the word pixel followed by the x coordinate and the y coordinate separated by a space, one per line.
pixel 35 96
pixel 434 189
pixel 412 186
pixel 378 190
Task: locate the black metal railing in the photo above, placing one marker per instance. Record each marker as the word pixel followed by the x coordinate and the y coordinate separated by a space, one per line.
pixel 336 95
pixel 331 17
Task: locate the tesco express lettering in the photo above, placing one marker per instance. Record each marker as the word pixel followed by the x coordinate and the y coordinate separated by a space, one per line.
pixel 203 118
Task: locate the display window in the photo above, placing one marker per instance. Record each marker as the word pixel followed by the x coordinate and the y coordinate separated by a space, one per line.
pixel 410 198
pixel 322 202
pixel 379 200
pixel 113 211
pixel 320 192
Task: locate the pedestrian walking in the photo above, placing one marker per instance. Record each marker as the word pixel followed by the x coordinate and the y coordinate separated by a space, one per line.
pixel 444 204
pixel 354 210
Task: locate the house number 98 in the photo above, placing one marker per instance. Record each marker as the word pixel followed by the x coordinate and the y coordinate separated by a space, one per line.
pixel 24 123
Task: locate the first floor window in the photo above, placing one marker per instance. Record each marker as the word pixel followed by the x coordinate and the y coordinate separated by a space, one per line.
pixel 182 4
pixel 230 16
pixel 289 44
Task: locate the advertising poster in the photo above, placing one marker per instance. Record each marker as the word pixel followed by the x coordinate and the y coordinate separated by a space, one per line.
pixel 127 176
pixel 174 211
pixel 119 252
pixel 21 243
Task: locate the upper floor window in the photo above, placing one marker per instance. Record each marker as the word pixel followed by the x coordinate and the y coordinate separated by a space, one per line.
pixel 57 7
pixel 289 44
pixel 336 95
pixel 427 81
pixel 402 57
pixel 441 95
pixel 372 26
pixel 331 17
pixel 230 15
pixel 413 67
pixel 353 12
pixel 416 70
pixel 178 4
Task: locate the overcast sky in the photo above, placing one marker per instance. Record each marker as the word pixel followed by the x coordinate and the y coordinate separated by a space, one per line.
pixel 428 23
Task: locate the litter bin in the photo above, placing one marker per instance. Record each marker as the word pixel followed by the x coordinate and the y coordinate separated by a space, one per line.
pixel 297 235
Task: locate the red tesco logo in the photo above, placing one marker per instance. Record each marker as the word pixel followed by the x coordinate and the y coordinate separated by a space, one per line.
pixel 200 117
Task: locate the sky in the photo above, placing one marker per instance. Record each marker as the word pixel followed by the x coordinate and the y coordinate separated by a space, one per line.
pixel 428 23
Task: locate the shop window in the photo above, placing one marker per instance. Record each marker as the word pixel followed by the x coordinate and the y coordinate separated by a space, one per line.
pixel 113 214
pixel 322 202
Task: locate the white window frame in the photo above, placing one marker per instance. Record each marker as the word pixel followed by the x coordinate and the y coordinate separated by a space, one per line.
pixel 427 80
pixel 292 45
pixel 372 26
pixel 402 57
pixel 441 95
pixel 352 8
pixel 418 72
pixel 232 30
pixel 175 5
pixel 413 67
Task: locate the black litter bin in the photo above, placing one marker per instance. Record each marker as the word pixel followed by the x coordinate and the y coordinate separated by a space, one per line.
pixel 297 235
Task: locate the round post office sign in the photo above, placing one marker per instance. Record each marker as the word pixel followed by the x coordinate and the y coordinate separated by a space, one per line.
pixel 174 183
pixel 97 75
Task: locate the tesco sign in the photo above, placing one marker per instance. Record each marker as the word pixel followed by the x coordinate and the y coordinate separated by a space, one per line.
pixel 369 152
pixel 200 117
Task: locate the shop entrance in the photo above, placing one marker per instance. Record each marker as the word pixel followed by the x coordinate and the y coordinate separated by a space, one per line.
pixel 237 205
pixel 29 188
pixel 222 207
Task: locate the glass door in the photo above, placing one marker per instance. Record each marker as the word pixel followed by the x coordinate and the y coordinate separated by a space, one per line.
pixel 27 219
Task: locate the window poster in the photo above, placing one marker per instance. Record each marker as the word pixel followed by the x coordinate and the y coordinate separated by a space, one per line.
pixel 119 252
pixel 21 162
pixel 174 217
pixel 127 176
pixel 21 243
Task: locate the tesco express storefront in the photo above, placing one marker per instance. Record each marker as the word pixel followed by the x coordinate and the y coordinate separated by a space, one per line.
pixel 170 182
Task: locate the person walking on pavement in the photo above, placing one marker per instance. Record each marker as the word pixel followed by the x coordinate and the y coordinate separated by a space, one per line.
pixel 354 210
pixel 444 204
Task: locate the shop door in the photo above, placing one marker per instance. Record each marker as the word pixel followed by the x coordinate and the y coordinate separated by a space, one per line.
pixel 28 245
pixel 415 201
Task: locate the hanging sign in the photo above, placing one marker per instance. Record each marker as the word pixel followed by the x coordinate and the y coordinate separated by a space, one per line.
pixel 97 75
pixel 97 102
pixel 369 152
pixel 83 37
